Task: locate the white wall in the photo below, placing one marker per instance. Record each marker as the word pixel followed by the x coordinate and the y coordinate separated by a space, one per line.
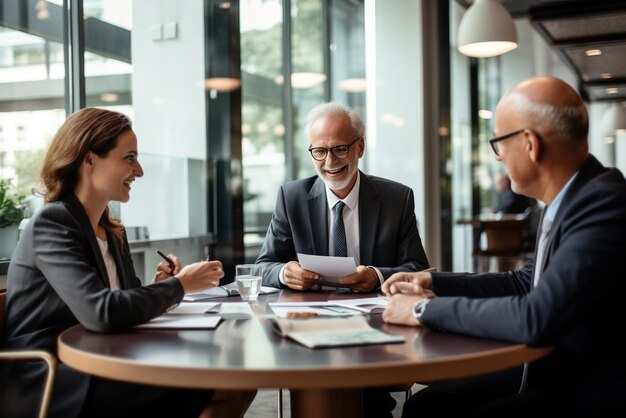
pixel 395 99
pixel 169 108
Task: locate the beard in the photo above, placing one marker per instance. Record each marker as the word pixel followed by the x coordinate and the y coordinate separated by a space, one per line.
pixel 338 184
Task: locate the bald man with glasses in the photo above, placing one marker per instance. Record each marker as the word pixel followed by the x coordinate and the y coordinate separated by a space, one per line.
pixel 378 226
pixel 570 297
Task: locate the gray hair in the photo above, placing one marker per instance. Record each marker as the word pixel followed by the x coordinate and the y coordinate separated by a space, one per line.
pixel 566 122
pixel 335 109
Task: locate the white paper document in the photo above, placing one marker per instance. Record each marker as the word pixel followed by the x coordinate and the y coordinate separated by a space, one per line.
pixel 236 310
pixel 186 308
pixel 367 305
pixel 169 321
pixel 310 309
pixel 229 289
pixel 333 332
pixel 330 268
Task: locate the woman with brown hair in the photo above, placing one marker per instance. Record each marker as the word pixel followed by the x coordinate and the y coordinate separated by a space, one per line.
pixel 72 265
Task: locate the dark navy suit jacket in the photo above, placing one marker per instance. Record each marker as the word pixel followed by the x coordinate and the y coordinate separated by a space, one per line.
pixel 388 233
pixel 576 306
pixel 57 279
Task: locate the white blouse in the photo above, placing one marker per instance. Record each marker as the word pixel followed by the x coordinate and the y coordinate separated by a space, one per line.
pixel 114 281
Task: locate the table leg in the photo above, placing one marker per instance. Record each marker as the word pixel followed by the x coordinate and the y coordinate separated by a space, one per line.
pixel 328 403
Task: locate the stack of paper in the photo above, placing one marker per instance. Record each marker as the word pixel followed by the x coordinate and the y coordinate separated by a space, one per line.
pixel 225 290
pixel 333 332
pixel 296 309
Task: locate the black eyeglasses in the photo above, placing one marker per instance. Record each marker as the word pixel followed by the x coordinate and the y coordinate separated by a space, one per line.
pixel 494 141
pixel 340 151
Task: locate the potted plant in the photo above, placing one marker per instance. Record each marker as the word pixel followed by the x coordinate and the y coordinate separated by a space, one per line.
pixel 11 214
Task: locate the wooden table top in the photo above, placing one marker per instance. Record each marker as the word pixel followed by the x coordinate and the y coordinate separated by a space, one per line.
pixel 248 354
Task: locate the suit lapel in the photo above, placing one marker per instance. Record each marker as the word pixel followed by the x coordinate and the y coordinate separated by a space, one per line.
pixel 317 207
pixel 588 171
pixel 369 214
pixel 79 211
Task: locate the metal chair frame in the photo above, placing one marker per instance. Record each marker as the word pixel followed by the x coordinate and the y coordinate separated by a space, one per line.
pixel 40 355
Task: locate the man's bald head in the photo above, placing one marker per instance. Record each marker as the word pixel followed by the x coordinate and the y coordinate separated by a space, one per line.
pixel 548 122
pixel 549 105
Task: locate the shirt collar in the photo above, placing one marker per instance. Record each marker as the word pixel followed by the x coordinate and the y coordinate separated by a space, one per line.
pixel 554 207
pixel 351 200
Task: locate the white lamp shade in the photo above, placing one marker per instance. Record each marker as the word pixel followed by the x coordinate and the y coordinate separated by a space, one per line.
pixel 222 84
pixel 303 80
pixel 353 85
pixel 486 30
pixel 614 121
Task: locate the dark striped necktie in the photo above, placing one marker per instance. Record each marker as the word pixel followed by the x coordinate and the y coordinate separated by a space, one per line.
pixel 340 248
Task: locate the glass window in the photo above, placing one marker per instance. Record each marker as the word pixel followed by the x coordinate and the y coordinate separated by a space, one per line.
pixel 262 115
pixel 31 89
pixel 326 61
pixel 137 72
pixel 308 75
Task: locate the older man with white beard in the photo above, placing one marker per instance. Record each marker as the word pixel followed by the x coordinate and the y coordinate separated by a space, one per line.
pixel 377 216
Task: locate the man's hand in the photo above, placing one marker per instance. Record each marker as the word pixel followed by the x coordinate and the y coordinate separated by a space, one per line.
pixel 400 310
pixel 417 283
pixel 364 280
pixel 298 278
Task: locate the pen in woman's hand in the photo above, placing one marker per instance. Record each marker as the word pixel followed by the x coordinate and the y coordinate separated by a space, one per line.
pixel 170 263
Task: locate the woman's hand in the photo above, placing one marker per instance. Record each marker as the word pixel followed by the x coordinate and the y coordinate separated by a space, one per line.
pixel 200 276
pixel 163 270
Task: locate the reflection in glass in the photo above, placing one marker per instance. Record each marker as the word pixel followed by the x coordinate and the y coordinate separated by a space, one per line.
pixel 262 115
pixel 31 89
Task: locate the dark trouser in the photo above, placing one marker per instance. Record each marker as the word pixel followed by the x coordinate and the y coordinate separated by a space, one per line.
pixel 378 403
pixel 113 399
pixel 489 395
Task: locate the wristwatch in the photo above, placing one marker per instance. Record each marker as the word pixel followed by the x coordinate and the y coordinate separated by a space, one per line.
pixel 419 308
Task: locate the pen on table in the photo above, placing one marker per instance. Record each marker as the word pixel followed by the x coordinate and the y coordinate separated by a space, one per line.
pixel 170 263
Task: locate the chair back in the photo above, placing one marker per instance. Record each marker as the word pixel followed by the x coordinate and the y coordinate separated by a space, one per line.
pixel 3 305
pixel 505 237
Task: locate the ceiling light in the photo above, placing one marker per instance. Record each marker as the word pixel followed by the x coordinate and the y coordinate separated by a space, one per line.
pixel 612 90
pixel 485 114
pixel 353 85
pixel 42 10
pixel 606 75
pixel 486 30
pixel 109 97
pixel 593 52
pixel 303 80
pixel 222 84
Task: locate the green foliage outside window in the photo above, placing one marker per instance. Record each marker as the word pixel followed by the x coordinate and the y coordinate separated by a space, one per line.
pixel 11 208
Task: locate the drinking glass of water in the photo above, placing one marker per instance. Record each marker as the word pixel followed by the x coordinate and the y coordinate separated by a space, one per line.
pixel 248 278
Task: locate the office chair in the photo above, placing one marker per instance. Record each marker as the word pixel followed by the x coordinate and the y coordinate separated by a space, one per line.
pixel 41 355
pixel 505 243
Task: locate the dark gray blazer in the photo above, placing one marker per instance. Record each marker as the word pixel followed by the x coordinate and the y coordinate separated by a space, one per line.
pixel 576 306
pixel 57 279
pixel 388 233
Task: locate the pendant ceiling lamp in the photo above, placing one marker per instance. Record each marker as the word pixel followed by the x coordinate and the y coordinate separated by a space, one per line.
pixel 486 30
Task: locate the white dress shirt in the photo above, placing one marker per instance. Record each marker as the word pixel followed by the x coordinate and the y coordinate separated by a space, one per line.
pixel 350 222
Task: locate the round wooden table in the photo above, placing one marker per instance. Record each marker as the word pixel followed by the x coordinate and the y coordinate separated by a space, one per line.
pixel 248 354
